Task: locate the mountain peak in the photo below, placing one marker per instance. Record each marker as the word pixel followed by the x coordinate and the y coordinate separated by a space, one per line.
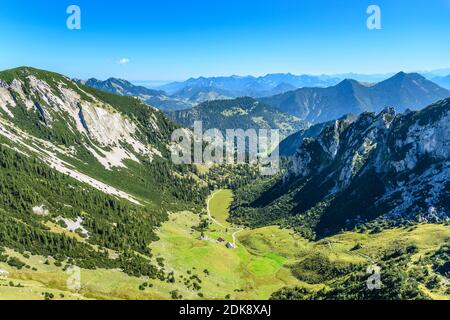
pixel 328 159
pixel 403 90
pixel 348 83
pixel 406 76
pixel 352 81
pixel 413 81
pixel 117 80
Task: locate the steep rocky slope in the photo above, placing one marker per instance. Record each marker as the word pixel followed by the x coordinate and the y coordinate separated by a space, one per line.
pixel 101 139
pixel 86 177
pixel 386 167
pixel 289 146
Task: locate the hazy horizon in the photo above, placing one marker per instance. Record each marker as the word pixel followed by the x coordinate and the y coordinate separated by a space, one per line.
pixel 173 41
pixel 155 83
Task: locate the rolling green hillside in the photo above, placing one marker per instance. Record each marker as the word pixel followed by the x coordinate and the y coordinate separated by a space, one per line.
pixel 241 113
pixel 268 262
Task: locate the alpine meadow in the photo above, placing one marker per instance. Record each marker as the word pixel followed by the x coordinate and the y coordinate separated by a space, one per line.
pixel 94 107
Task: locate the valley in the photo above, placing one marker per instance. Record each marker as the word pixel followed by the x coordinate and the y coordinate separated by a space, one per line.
pixel 226 157
pixel 92 207
pixel 265 260
pixel 202 268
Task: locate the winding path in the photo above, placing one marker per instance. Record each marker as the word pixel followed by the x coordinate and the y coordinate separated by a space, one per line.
pixel 209 212
pixel 210 217
pixel 234 237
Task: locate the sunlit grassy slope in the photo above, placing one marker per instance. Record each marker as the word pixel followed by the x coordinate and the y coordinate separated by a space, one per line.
pixel 219 205
pixel 206 269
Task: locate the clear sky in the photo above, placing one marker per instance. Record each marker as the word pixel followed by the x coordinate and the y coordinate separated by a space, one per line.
pixel 178 39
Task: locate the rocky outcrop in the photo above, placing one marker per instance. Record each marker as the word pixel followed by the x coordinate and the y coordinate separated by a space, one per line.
pixel 60 103
pixel 386 165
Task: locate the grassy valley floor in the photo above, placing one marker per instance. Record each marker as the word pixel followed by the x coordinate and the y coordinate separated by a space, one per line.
pixel 261 262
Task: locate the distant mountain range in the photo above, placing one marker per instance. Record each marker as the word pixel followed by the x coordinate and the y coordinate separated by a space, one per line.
pixel 443 81
pixel 265 85
pixel 241 113
pixel 184 95
pixel 201 94
pixel 236 86
pixel 402 91
pixel 156 98
pixel 312 98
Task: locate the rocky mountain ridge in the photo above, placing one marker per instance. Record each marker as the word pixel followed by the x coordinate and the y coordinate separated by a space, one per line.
pixel 389 166
pixel 316 105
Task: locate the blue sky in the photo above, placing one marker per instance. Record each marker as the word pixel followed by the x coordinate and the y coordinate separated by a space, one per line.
pixel 178 39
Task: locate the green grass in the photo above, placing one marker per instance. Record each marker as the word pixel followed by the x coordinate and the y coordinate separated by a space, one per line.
pixel 219 205
pixel 229 270
pixel 259 266
pixel 95 284
pixel 264 266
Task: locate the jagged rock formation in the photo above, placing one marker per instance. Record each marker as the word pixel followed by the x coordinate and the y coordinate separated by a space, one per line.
pixel 75 128
pixel 387 166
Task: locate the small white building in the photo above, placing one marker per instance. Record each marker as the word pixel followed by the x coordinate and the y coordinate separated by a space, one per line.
pixel 3 274
pixel 229 245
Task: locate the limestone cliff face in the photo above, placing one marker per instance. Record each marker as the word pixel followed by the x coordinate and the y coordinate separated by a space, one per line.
pixel 64 105
pixel 65 124
pixel 395 166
